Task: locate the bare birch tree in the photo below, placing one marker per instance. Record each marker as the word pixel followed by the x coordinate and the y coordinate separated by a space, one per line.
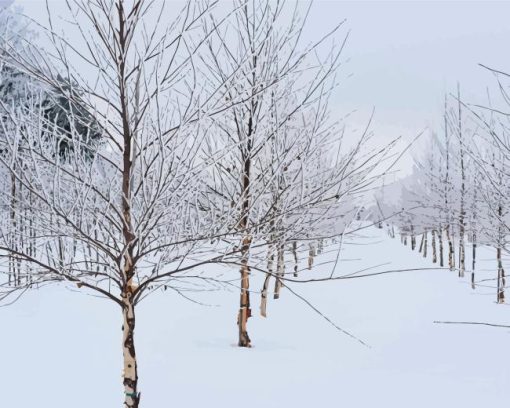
pixel 122 220
pixel 273 82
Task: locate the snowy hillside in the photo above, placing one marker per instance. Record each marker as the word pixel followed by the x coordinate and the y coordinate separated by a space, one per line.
pixel 61 350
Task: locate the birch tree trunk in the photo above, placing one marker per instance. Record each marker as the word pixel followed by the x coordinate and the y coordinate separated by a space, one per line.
pixel 451 258
pixel 501 271
pixel 473 236
pixel 270 271
pixel 130 374
pixel 425 243
pixel 451 250
pixel 132 397
pixel 462 256
pixel 441 251
pixel 434 248
pixel 294 253
pixel 462 265
pixel 501 278
pixel 473 260
pixel 244 222
pixel 244 306
pixel 280 271
pixel 311 255
pixel 13 237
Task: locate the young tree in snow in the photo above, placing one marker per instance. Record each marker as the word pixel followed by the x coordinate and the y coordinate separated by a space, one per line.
pixel 268 81
pixel 457 128
pixel 122 221
pixel 281 170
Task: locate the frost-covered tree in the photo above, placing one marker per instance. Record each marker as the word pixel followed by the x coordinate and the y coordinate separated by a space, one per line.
pixel 122 221
pixel 287 170
pixel 20 92
pixel 268 81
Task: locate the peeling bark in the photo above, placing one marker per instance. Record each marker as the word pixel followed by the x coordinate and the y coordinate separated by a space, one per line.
pixel 130 373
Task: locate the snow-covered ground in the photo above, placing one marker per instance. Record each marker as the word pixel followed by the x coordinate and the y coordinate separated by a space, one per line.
pixel 60 349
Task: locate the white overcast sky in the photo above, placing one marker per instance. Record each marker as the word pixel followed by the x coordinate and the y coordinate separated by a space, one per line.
pixel 404 56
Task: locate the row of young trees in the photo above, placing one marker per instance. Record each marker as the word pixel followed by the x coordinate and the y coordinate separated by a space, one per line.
pixel 457 197
pixel 139 153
